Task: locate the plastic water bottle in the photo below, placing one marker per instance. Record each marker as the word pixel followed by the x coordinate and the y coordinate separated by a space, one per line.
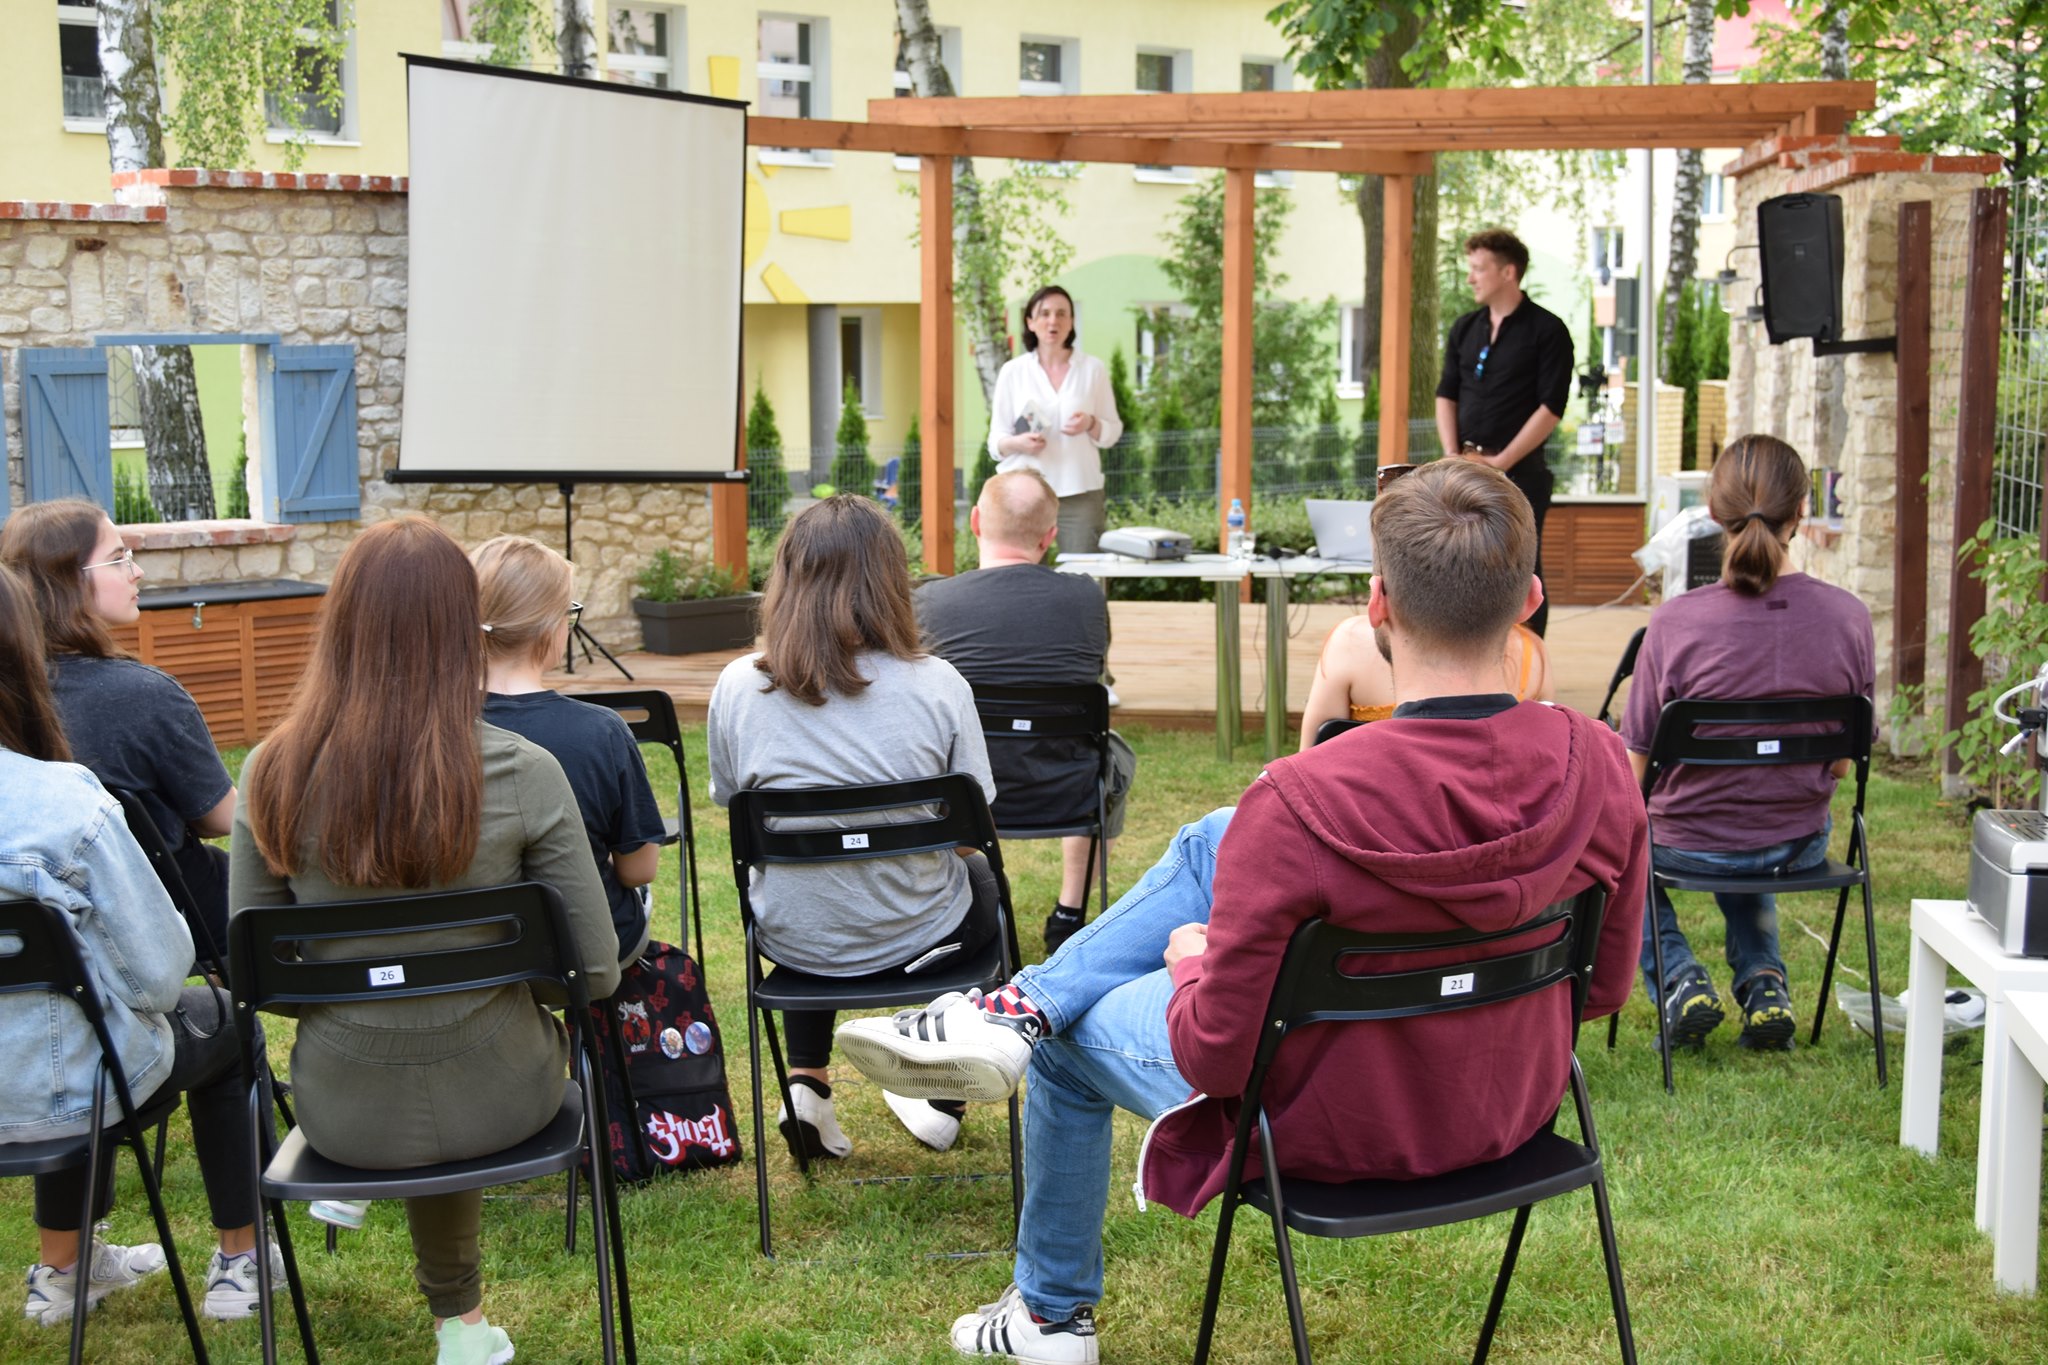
pixel 1235 521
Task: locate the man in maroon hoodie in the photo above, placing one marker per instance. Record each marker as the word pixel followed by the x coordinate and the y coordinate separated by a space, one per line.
pixel 1465 809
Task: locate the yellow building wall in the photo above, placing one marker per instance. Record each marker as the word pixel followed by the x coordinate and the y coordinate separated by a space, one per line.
pixel 775 355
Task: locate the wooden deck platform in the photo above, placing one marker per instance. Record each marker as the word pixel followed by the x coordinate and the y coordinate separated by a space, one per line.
pixel 1162 654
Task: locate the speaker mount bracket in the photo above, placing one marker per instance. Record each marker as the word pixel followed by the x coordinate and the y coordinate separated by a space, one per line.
pixel 1867 346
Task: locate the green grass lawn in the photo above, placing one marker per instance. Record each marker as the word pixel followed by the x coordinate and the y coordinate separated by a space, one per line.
pixel 1767 1213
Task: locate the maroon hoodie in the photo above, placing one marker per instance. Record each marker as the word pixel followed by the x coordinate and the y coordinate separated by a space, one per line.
pixel 1413 824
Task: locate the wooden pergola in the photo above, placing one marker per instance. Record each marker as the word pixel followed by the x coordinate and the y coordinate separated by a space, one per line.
pixel 1394 134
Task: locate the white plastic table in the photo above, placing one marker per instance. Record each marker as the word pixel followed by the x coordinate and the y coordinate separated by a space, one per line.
pixel 2016 1239
pixel 1279 575
pixel 1222 571
pixel 1947 935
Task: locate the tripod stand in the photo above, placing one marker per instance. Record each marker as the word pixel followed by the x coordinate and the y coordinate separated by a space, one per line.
pixel 577 634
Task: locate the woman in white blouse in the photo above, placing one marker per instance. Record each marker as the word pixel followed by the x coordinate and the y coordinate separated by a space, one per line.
pixel 1053 411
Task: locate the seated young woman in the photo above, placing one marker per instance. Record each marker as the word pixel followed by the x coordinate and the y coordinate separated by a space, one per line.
pixel 1355 682
pixel 842 693
pixel 525 589
pixel 383 780
pixel 133 725
pixel 67 846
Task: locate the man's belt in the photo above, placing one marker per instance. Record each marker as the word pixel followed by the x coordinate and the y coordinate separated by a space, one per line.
pixel 1474 448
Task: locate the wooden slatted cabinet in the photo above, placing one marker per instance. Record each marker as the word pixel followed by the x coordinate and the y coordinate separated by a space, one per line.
pixel 1587 549
pixel 239 648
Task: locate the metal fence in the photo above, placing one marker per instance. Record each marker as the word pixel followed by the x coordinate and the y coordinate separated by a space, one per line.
pixel 137 497
pixel 2021 432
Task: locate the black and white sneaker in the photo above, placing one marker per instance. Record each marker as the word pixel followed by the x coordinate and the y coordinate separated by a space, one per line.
pixel 1691 1010
pixel 1005 1330
pixel 951 1049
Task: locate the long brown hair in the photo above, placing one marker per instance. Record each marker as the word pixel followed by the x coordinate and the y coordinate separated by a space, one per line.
pixel 28 718
pixel 382 732
pixel 49 544
pixel 1757 493
pixel 840 585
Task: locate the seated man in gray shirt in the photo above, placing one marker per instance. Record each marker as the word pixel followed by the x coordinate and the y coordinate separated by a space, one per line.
pixel 1016 620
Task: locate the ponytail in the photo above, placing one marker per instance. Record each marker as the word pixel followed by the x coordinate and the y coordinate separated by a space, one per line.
pixel 1757 492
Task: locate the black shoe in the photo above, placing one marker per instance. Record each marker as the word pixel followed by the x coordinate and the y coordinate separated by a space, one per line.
pixel 1691 1010
pixel 1062 924
pixel 1767 1021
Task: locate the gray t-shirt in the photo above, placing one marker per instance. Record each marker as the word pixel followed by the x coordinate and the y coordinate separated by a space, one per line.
pixel 136 728
pixel 915 719
pixel 1029 626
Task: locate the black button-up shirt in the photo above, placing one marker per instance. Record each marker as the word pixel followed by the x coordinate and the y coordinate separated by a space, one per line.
pixel 1498 381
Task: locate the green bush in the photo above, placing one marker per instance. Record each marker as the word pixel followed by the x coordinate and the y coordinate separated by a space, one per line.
pixel 768 489
pixel 131 497
pixel 1325 462
pixel 852 470
pixel 1123 464
pixel 910 475
pixel 668 577
pixel 2009 638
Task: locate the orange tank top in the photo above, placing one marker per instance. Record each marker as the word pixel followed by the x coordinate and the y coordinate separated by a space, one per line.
pixel 1524 636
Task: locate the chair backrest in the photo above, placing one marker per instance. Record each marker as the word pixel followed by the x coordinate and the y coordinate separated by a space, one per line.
pixel 1841 729
pixel 1623 671
pixel 1314 987
pixel 151 841
pixel 1031 715
pixel 648 712
pixel 1330 729
pixel 268 964
pixel 40 951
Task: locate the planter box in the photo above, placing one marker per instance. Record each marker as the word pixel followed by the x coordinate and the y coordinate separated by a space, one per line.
pixel 698 627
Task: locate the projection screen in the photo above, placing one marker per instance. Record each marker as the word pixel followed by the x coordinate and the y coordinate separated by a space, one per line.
pixel 573 314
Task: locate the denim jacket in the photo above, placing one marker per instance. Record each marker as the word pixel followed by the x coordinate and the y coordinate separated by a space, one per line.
pixel 63 841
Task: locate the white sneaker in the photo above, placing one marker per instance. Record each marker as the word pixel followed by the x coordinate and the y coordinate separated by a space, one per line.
pixel 949 1050
pixel 936 1130
pixel 816 1126
pixel 1114 699
pixel 52 1292
pixel 342 1213
pixel 1004 1329
pixel 463 1344
pixel 231 1288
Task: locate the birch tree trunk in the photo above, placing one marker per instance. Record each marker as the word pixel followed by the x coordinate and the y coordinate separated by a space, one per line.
pixel 1383 71
pixel 576 40
pixel 1834 42
pixel 978 302
pixel 1682 258
pixel 180 482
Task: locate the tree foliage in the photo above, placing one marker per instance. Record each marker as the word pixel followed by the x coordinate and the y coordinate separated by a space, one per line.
pixel 1122 464
pixel 852 470
pixel 910 475
pixel 236 65
pixel 1458 42
pixel 768 485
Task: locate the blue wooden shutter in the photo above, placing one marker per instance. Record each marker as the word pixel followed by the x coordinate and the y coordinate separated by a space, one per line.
pixel 314 402
pixel 70 451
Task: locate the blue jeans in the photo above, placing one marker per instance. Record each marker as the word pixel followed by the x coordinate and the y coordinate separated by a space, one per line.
pixel 1104 995
pixel 1752 937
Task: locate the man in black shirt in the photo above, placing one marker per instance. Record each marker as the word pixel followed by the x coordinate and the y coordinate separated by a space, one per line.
pixel 1507 376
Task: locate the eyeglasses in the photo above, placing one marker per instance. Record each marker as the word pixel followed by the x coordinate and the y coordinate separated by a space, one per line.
pixel 575 615
pixel 1388 473
pixel 1480 368
pixel 125 559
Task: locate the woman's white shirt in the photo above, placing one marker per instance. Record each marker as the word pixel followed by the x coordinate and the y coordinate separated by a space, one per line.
pixel 1071 464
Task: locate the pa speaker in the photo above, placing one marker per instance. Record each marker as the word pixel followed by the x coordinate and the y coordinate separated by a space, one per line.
pixel 1800 239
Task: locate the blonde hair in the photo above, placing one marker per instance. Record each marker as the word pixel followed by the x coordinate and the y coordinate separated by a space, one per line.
pixel 525 589
pixel 1018 508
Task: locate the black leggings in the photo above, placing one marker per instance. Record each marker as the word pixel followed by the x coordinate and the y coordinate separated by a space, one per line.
pixel 205 870
pixel 209 1071
pixel 808 1033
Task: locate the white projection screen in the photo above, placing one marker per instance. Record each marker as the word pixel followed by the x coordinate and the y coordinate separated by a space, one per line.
pixel 573 314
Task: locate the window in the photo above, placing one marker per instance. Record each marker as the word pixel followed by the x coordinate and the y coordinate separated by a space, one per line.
pixel 643 46
pixel 949 58
pixel 1607 258
pixel 860 357
pixel 1714 197
pixel 793 70
pixel 1048 66
pixel 1351 352
pixel 78 50
pixel 1264 75
pixel 1163 72
pixel 318 121
pixel 1155 339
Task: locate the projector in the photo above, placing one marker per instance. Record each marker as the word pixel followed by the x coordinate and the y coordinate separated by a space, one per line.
pixel 2009 878
pixel 1145 542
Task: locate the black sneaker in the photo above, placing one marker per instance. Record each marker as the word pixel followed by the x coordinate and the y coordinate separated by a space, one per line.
pixel 1691 1010
pixel 1061 925
pixel 1767 1021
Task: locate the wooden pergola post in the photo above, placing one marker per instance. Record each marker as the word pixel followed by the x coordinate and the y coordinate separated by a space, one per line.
pixel 729 515
pixel 935 349
pixel 1397 308
pixel 1239 196
pixel 1909 536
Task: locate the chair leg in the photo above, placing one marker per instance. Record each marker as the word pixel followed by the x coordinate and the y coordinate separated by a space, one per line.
pixel 295 1282
pixel 594 1140
pixel 1283 1246
pixel 154 1188
pixel 163 1129
pixel 625 1293
pixel 569 1236
pixel 760 1124
pixel 1214 1296
pixel 1657 995
pixel 1827 972
pixel 803 1158
pixel 1611 1252
pixel 1613 1029
pixel 1876 996
pixel 1500 1284
pixel 1016 1172
pixel 333 1239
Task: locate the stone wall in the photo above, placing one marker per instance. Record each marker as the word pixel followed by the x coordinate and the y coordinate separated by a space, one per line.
pixel 1840 412
pixel 318 260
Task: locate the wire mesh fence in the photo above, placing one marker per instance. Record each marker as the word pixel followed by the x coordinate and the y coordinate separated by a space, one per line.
pixel 196 497
pixel 2021 431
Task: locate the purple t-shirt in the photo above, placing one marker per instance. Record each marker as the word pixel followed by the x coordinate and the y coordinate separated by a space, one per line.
pixel 1802 638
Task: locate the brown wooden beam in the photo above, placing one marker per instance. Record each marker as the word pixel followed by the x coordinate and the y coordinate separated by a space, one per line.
pixel 1397 304
pixel 1976 426
pixel 1239 198
pixel 1113 148
pixel 729 515
pixel 1910 529
pixel 935 356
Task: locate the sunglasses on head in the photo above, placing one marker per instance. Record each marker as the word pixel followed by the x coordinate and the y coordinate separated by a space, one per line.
pixel 1388 473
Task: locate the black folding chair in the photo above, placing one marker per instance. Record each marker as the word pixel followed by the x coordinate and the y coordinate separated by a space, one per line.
pixel 1314 988
pixel 1330 729
pixel 651 715
pixel 269 966
pixel 40 952
pixel 958 818
pixel 1848 722
pixel 1624 669
pixel 1016 717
